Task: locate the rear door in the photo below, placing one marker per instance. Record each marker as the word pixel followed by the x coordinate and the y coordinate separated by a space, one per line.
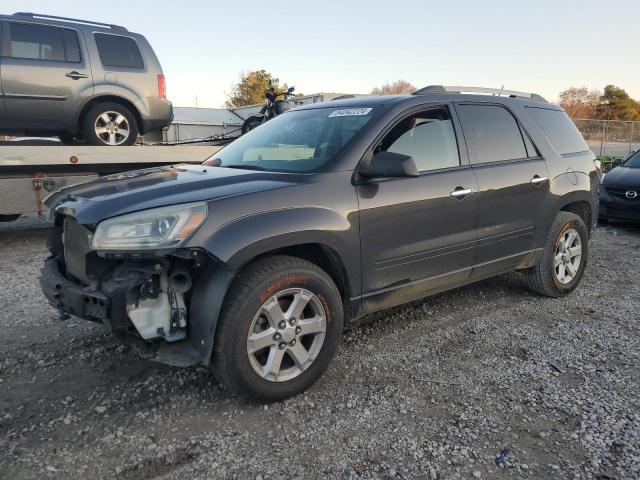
pixel 513 185
pixel 415 236
pixel 46 75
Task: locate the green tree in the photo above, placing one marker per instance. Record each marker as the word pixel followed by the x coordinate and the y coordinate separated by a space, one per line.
pixel 250 89
pixel 616 104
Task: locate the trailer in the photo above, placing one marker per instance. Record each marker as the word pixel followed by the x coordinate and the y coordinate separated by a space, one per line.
pixel 28 174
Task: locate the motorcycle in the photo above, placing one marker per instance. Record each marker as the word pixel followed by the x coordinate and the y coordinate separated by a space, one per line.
pixel 273 106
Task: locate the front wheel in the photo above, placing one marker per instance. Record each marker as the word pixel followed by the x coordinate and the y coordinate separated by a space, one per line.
pixel 561 266
pixel 278 330
pixel 110 124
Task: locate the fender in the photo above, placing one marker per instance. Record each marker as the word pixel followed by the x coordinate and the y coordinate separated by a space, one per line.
pixel 571 187
pixel 255 115
pixel 115 91
pixel 239 241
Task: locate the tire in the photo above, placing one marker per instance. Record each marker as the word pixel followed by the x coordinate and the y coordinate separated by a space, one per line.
pixel 544 277
pixel 243 313
pixel 110 118
pixel 251 123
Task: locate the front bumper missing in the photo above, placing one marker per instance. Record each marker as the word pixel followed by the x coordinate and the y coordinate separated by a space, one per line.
pixel 70 298
pixel 109 308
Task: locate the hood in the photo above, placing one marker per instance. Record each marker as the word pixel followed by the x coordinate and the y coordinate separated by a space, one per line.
pixel 127 192
pixel 622 177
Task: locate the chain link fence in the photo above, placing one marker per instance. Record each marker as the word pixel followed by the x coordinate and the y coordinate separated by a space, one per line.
pixel 610 138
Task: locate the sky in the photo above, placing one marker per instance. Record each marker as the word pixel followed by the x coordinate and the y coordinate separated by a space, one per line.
pixel 351 46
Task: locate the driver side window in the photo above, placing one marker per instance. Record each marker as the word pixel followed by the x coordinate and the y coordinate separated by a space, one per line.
pixel 428 137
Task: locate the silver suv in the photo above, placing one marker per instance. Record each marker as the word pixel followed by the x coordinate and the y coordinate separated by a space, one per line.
pixel 80 80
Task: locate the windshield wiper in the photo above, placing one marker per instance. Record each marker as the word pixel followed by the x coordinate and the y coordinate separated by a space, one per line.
pixel 245 167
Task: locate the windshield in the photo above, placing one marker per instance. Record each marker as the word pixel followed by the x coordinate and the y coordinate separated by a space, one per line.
pixel 297 141
pixel 633 161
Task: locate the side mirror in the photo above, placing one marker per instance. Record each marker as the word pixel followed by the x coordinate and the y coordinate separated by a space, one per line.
pixel 389 164
pixel 291 89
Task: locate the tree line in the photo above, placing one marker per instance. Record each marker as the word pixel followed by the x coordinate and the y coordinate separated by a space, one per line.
pixel 614 103
pixel 250 88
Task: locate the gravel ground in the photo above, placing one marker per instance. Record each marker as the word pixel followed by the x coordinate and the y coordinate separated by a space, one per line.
pixel 487 381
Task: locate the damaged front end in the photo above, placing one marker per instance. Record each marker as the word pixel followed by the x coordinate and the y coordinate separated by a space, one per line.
pixel 135 275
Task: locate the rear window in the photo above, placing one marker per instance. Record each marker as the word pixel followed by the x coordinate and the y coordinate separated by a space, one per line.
pixel 492 133
pixel 39 42
pixel 118 51
pixel 559 129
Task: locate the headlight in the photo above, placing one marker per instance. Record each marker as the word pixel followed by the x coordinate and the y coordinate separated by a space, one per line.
pixel 165 227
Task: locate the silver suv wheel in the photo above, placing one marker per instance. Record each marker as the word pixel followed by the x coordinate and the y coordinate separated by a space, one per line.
pixel 568 256
pixel 286 334
pixel 112 128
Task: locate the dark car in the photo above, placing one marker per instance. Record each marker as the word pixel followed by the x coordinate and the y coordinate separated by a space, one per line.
pixel 79 80
pixel 252 262
pixel 620 192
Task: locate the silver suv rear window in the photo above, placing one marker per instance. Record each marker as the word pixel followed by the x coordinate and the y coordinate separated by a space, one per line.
pixel 118 51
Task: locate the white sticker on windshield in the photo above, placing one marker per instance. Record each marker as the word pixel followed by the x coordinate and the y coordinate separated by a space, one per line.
pixel 350 112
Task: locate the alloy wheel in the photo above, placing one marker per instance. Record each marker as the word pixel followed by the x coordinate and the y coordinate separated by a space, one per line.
pixel 287 334
pixel 112 128
pixel 567 256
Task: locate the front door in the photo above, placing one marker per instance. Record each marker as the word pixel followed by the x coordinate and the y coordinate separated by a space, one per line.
pixel 513 186
pixel 418 234
pixel 46 75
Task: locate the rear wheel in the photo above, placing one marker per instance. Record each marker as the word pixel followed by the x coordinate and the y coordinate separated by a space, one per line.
pixel 561 267
pixel 279 329
pixel 110 124
pixel 251 123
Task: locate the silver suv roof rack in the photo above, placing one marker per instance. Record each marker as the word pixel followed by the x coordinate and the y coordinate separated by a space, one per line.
pixel 68 19
pixel 483 90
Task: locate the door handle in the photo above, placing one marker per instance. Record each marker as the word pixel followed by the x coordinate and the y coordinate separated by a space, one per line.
pixel 537 180
pixel 75 75
pixel 461 192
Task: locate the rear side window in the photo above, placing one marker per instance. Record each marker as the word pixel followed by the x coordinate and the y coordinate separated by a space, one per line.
pixel 118 51
pixel 40 42
pixel 559 129
pixel 492 133
pixel 428 137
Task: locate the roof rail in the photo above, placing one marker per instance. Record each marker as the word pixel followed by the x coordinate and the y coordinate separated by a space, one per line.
pixel 490 91
pixel 67 19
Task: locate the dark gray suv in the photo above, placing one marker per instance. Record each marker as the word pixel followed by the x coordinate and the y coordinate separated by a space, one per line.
pixel 78 79
pixel 252 262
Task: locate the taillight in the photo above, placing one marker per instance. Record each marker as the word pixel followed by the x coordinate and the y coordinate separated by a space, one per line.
pixel 162 86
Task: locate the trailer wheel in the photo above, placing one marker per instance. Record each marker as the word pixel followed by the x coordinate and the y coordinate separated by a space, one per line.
pixel 110 124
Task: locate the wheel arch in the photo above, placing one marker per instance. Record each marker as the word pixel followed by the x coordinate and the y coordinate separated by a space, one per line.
pixel 114 99
pixel 325 258
pixel 582 208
